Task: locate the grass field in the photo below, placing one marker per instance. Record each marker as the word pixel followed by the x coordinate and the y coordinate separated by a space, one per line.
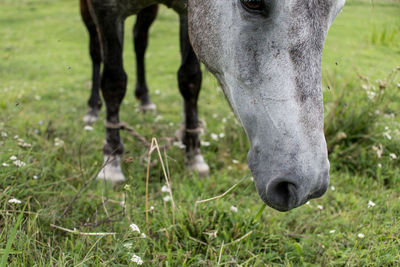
pixel 47 159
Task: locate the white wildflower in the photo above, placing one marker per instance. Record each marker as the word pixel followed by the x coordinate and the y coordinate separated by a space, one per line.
pixel 205 143
pixel 158 118
pixel 371 95
pixel 16 137
pixel 134 228
pixel 371 204
pixel 234 161
pixel 234 209
pixel 230 168
pixel 379 165
pixel 387 135
pixel 379 150
pixel 151 208
pixel 221 135
pixel 15 201
pixel 320 207
pixel 215 115
pixel 393 156
pixel 4 134
pixel 333 188
pixel 332 231
pixel 361 235
pixel 88 128
pixel 143 235
pixel 214 137
pixel 128 245
pixel 165 189
pixel 171 124
pixel 167 198
pixel 136 259
pixel 19 163
pixel 5 164
pixel 224 120
pixel 35 177
pixel 38 97
pixel 40 122
pixel 13 158
pixel 157 92
pixel 58 142
pixel 308 203
pixel 341 136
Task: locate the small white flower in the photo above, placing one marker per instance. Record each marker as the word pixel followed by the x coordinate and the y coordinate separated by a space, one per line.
pixel 40 122
pixel 333 188
pixel 13 158
pixel 58 142
pixel 221 135
pixel 205 143
pixel 308 203
pixel 5 164
pixel 215 115
pixel 224 120
pixel 165 189
pixel 4 134
pixel 136 259
pixel 38 97
pixel 167 198
pixel 234 161
pixel 379 150
pixel 15 201
pixel 393 156
pixel 332 231
pixel 214 137
pixel 16 137
pixel 234 209
pixel 320 207
pixel 19 163
pixel 151 208
pixel 171 124
pixel 379 165
pixel 158 118
pixel 361 235
pixel 134 228
pixel 88 128
pixel 371 204
pixel 128 245
pixel 157 92
pixel 143 235
pixel 35 177
pixel 387 135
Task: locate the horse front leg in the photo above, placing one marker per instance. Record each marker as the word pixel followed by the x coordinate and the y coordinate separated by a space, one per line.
pixel 113 87
pixel 94 101
pixel 189 80
pixel 144 20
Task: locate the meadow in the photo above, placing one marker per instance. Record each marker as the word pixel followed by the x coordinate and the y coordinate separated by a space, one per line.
pixel 53 213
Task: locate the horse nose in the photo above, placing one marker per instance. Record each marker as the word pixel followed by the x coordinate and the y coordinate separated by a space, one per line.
pixel 282 194
pixel 285 194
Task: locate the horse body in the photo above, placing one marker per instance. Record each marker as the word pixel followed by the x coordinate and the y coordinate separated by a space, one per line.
pixel 266 54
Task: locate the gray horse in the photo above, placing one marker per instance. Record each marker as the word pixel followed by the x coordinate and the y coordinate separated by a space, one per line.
pixel 266 54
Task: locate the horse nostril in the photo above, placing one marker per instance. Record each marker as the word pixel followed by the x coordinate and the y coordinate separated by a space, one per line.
pixel 282 195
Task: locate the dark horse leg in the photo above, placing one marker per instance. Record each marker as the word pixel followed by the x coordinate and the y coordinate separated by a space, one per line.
pixel 140 37
pixel 189 80
pixel 95 54
pixel 113 85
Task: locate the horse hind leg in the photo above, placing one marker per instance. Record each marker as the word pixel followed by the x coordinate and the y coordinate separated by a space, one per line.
pixel 144 20
pixel 94 101
pixel 113 87
pixel 189 80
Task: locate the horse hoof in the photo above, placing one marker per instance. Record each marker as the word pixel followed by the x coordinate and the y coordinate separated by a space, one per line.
pixel 148 107
pixel 198 165
pixel 90 118
pixel 111 172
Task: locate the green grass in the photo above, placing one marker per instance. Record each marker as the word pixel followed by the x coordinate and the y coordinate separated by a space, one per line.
pixel 44 74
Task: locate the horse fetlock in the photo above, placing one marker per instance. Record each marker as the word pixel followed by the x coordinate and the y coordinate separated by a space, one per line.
pixel 111 170
pixel 197 164
pixel 91 116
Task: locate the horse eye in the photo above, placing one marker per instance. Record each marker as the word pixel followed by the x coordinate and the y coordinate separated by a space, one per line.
pixel 255 5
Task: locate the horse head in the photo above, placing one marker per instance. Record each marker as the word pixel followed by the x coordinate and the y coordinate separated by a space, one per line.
pixel 266 54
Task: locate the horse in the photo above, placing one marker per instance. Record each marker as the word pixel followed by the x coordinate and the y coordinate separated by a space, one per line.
pixel 144 20
pixel 266 55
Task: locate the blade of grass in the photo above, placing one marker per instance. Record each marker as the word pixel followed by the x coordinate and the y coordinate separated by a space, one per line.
pixel 10 240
